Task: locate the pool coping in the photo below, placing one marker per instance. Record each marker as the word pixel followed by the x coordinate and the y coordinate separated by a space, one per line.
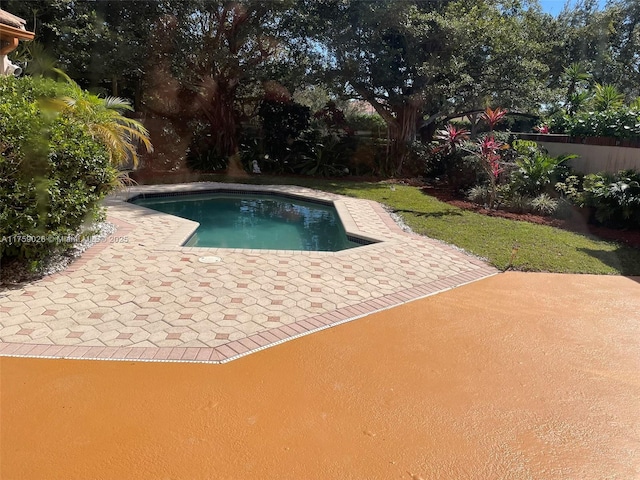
pixel 184 233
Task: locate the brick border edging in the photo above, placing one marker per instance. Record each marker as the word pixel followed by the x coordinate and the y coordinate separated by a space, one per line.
pixel 254 343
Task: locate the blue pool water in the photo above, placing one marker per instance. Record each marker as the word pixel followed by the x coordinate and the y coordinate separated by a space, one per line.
pixel 256 221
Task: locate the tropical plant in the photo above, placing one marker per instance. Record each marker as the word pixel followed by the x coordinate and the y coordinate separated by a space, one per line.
pixel 493 117
pixel 324 157
pixel 515 202
pixel 615 198
pixel 479 194
pixel 535 170
pixel 445 158
pixel 53 172
pixel 451 136
pixel 544 204
pixel 105 120
pixel 37 59
pixel 577 102
pixel 577 79
pixel 490 161
pixel 607 97
pixel 571 188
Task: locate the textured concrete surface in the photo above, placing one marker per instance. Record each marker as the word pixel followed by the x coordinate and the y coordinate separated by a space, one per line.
pixel 140 295
pixel 519 376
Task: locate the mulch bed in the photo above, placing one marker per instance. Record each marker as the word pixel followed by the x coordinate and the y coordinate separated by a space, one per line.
pixel 577 222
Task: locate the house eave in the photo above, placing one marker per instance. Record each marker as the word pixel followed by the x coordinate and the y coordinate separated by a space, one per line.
pixel 10 36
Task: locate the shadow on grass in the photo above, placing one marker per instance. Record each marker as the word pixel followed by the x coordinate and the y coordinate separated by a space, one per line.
pixel 625 260
pixel 440 214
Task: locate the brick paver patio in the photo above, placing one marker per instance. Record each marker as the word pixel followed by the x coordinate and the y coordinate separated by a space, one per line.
pixel 140 295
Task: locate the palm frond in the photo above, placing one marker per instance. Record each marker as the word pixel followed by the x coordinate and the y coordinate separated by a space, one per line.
pixel 103 116
pixel 117 103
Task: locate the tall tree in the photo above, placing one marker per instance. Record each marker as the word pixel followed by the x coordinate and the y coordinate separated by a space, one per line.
pixel 416 60
pixel 214 57
pixel 101 45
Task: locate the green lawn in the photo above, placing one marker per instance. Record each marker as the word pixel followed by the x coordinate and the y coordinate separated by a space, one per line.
pixel 540 248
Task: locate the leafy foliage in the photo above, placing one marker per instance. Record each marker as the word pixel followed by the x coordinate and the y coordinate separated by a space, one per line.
pixel 614 197
pixel 489 157
pixel 325 156
pixel 452 136
pixel 105 120
pixel 535 170
pixel 607 97
pixel 493 117
pixel 544 204
pixel 620 123
pixel 52 171
pixel 282 124
pixel 479 194
pixel 367 122
pixel 416 62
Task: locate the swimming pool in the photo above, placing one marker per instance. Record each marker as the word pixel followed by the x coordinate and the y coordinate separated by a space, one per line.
pixel 256 221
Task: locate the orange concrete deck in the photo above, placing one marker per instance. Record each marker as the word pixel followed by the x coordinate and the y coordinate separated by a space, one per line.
pixel 519 376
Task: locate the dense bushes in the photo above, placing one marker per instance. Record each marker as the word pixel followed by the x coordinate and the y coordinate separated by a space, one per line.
pixel 366 122
pixel 284 138
pixel 52 172
pixel 618 123
pixel 613 198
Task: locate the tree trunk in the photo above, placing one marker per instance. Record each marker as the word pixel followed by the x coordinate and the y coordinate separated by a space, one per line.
pixel 402 126
pixel 222 116
pixel 474 118
pixel 403 131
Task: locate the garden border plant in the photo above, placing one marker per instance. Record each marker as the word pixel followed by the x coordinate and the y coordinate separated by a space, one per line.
pixel 58 153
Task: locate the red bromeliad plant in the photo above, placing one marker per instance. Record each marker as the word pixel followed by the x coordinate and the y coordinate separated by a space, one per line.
pixel 490 161
pixel 452 136
pixel 493 117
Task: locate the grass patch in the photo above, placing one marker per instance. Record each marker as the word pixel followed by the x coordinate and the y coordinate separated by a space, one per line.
pixel 540 248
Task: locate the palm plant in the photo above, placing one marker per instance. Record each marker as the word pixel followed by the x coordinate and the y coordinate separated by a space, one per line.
pixel 577 101
pixel 535 170
pixel 607 97
pixel 104 117
pixel 576 76
pixel 106 122
pixel 37 60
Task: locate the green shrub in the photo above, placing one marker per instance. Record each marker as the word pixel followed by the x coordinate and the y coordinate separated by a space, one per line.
pixel 322 155
pixel 203 154
pixel 516 202
pixel 615 198
pixel 367 122
pixel 282 124
pixel 534 170
pixel 618 123
pixel 571 188
pixel 52 172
